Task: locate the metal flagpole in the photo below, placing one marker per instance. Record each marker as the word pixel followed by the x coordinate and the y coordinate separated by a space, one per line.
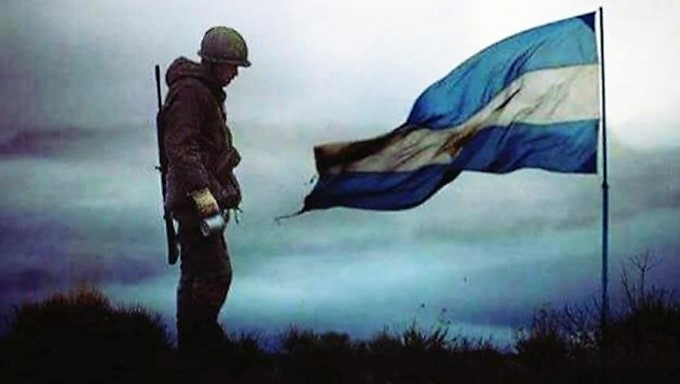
pixel 604 313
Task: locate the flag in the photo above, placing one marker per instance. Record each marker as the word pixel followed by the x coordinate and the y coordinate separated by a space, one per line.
pixel 528 101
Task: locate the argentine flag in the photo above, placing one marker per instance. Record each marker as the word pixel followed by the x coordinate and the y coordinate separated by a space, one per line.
pixel 529 101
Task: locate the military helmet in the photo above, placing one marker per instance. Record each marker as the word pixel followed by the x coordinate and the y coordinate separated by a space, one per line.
pixel 224 45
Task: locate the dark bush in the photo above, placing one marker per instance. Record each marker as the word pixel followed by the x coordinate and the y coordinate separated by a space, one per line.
pixel 81 337
pixel 308 357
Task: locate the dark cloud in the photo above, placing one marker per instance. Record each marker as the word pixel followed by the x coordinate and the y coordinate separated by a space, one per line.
pixel 72 270
pixel 45 250
pixel 39 143
pixel 645 180
pixel 60 68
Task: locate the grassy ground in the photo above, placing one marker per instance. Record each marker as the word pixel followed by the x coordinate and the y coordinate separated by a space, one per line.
pixel 80 337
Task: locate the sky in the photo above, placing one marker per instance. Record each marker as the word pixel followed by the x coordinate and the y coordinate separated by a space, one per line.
pixel 81 198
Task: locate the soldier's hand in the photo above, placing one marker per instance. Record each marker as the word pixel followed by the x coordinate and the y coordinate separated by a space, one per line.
pixel 205 202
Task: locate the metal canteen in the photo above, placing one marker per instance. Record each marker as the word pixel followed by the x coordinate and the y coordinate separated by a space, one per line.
pixel 213 224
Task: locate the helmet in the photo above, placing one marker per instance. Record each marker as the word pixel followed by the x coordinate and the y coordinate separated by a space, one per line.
pixel 224 45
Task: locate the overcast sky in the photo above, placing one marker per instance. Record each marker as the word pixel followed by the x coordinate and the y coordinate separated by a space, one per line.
pixel 81 199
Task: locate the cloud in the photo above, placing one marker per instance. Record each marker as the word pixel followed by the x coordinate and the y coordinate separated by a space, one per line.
pixel 645 180
pixel 42 248
pixel 39 143
pixel 86 206
pixel 347 65
pixel 86 169
pixel 81 198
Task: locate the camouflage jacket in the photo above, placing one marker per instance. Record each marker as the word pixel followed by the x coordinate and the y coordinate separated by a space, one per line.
pixel 198 143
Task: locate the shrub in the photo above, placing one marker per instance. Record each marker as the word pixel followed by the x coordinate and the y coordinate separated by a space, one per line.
pixel 81 337
pixel 543 344
pixel 642 340
pixel 308 357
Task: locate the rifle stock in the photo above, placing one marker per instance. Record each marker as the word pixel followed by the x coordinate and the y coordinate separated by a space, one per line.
pixel 170 234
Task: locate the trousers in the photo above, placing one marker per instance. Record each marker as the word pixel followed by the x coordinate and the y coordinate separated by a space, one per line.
pixel 204 282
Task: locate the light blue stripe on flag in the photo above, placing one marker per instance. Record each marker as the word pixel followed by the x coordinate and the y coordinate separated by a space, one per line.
pixel 470 86
pixel 529 101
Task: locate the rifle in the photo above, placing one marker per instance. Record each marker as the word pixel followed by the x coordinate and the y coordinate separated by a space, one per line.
pixel 170 234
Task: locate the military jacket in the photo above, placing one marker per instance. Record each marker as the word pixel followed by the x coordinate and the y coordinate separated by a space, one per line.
pixel 198 142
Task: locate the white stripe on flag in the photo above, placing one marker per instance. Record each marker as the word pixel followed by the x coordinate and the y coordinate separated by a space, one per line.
pixel 542 97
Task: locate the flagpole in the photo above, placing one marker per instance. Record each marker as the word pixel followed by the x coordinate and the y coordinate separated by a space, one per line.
pixel 604 313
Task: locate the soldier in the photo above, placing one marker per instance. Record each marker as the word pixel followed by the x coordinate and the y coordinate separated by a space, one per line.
pixel 200 181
